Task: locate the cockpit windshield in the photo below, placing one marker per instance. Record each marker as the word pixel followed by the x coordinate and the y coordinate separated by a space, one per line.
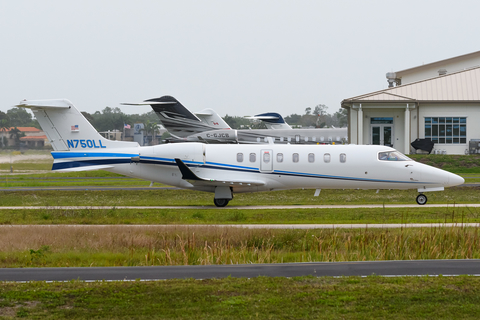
pixel 393 156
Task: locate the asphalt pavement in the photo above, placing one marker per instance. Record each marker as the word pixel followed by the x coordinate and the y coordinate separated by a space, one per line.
pixel 318 269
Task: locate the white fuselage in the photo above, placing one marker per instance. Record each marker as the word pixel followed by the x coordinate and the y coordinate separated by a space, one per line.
pixel 250 168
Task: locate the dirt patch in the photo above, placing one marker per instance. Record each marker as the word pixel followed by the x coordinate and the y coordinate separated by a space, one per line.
pixel 12 311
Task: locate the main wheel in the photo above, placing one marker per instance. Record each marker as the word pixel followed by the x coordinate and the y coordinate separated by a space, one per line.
pixel 421 199
pixel 220 202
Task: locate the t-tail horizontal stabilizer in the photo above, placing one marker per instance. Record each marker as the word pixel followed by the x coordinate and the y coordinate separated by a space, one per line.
pixel 272 120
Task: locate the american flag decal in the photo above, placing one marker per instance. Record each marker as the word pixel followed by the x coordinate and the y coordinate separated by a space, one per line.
pixel 75 127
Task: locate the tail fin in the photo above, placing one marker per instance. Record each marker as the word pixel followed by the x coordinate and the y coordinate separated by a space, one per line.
pixel 272 120
pixel 212 118
pixel 67 129
pixel 177 119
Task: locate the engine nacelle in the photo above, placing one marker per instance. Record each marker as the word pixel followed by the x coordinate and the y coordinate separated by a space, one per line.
pixel 215 136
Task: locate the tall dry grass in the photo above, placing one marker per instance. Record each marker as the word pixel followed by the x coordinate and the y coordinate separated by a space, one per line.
pixel 163 245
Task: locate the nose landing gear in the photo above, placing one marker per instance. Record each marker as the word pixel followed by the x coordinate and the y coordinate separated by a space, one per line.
pixel 421 199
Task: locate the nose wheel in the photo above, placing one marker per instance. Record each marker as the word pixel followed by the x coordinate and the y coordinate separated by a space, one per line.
pixel 421 199
pixel 220 202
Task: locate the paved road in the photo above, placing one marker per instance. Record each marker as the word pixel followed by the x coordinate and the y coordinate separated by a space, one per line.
pixel 126 227
pixel 362 268
pixel 448 205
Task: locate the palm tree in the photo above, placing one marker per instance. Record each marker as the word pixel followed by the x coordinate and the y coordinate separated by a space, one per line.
pixel 150 127
pixel 4 126
pixel 16 134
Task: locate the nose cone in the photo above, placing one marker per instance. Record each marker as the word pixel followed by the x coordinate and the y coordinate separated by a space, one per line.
pixel 455 180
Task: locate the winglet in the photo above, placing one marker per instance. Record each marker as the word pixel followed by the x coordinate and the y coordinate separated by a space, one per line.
pixel 187 174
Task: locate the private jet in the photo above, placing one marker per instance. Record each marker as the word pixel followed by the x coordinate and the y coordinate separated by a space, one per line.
pixel 207 126
pixel 228 169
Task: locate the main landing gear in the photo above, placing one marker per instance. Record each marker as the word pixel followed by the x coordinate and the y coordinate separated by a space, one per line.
pixel 421 199
pixel 220 202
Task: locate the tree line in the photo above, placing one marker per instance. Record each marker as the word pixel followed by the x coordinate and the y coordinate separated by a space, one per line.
pixel 316 118
pixel 114 119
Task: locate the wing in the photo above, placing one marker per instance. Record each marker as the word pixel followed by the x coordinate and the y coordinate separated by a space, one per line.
pixel 191 177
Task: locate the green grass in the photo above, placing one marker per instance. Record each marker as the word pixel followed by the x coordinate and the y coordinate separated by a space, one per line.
pixel 241 216
pixel 54 174
pixel 175 197
pixel 84 246
pixel 72 182
pixel 257 298
pixel 27 166
pixel 453 163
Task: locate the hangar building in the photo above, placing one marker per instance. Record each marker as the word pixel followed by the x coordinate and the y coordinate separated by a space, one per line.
pixel 439 101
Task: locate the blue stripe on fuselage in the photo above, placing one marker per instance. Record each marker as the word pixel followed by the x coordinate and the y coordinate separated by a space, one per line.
pixel 208 165
pixel 63 155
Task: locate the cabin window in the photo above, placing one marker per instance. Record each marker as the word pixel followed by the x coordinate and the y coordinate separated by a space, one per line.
pixel 258 139
pixel 343 157
pixel 295 157
pixel 239 157
pixel 326 157
pixel 289 139
pixel 322 139
pixel 392 156
pixel 281 139
pixel 306 139
pixel 314 139
pixel 279 157
pixel 253 157
pixel 311 157
pixel 446 130
pixel 266 157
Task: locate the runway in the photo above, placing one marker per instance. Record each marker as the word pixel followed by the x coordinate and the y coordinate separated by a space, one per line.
pixel 387 206
pixel 126 227
pixel 318 269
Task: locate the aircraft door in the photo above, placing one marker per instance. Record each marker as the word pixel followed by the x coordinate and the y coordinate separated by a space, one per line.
pixel 266 160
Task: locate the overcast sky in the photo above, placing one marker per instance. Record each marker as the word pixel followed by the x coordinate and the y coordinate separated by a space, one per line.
pixel 236 57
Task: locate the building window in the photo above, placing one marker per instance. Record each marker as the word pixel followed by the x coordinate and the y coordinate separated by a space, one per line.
pixel 253 157
pixel 311 157
pixel 381 120
pixel 239 157
pixel 295 157
pixel 446 130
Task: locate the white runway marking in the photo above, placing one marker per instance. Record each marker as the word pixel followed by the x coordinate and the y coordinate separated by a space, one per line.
pixel 387 206
pixel 252 226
